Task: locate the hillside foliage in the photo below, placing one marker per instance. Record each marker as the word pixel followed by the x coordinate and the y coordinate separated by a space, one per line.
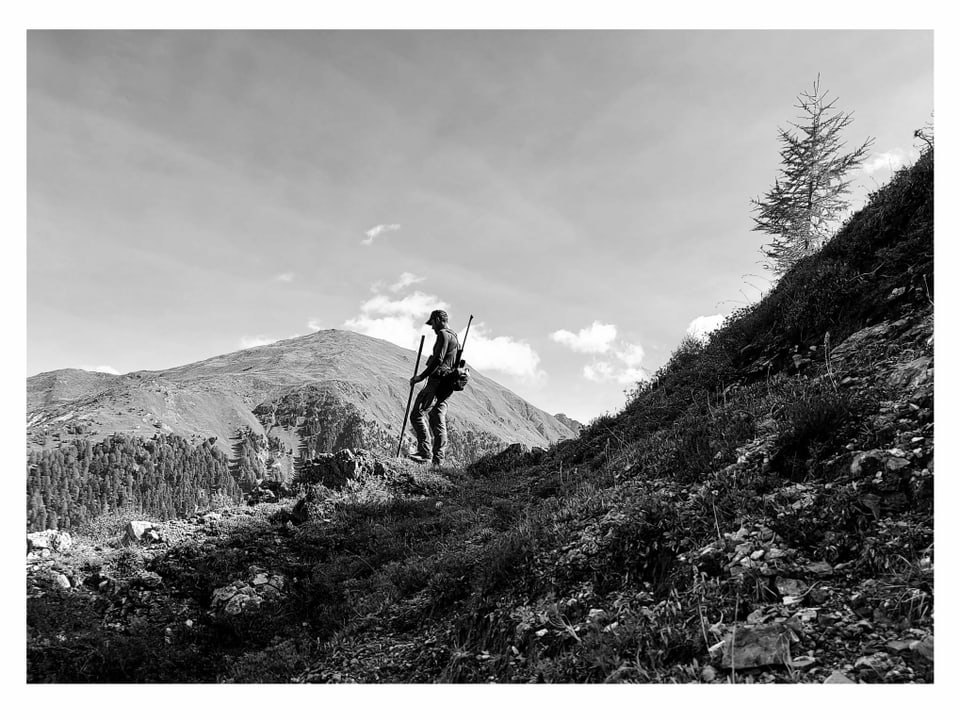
pixel 164 477
pixel 777 478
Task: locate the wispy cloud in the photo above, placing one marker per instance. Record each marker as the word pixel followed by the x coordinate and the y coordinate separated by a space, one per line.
pixel 377 231
pixel 595 339
pixel 252 341
pixel 406 279
pixel 599 371
pixel 628 369
pixel 284 278
pixel 702 326
pixel 631 355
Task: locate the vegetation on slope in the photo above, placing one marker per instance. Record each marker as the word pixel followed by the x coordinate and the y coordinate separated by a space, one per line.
pixel 165 477
pixel 778 479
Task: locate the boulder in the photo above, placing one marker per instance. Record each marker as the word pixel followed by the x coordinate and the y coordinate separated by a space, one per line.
pixel 896 465
pixel 760 645
pixel 790 586
pixel 54 579
pixel 335 470
pixel 911 374
pixel 803 662
pixel 873 668
pixel 349 465
pixel 48 540
pixel 851 347
pixel 898 646
pixel 147 579
pixel 141 532
pixel 866 463
pixel 838 677
pixel 247 596
pixel 925 647
pixel 235 599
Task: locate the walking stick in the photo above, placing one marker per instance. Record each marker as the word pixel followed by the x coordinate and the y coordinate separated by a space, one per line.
pixel 416 369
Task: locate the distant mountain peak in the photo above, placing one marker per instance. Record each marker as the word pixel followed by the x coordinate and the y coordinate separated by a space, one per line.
pixel 321 380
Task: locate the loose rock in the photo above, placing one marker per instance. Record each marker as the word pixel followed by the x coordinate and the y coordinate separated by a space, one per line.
pixel 49 540
pixel 761 645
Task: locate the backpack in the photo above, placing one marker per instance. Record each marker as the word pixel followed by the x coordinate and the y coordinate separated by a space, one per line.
pixel 458 377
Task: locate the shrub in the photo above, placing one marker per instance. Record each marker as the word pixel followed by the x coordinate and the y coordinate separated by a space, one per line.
pixel 814 420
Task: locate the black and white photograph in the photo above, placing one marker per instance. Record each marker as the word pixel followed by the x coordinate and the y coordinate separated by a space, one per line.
pixel 479 356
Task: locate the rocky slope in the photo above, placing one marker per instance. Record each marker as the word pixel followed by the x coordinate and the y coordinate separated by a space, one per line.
pixel 762 512
pixel 286 394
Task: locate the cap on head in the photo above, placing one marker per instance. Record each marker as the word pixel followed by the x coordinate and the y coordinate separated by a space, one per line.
pixel 438 314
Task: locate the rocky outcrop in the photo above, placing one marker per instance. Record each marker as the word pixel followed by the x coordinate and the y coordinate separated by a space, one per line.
pixel 44 542
pixel 141 532
pixel 573 425
pixel 335 470
pixel 246 596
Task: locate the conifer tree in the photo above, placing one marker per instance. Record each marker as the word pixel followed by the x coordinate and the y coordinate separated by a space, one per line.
pixel 807 199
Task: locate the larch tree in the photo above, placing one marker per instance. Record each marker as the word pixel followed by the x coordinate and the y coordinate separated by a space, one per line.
pixel 807 200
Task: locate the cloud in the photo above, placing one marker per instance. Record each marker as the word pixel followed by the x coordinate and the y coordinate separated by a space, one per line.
pixel 504 354
pixel 595 339
pixel 598 372
pixel 891 160
pixel 401 321
pixel 702 326
pixel 397 330
pixel 377 231
pixel 414 305
pixel 630 372
pixel 406 279
pixel 284 278
pixel 631 355
pixel 102 369
pixel 398 320
pixel 623 362
pixel 252 341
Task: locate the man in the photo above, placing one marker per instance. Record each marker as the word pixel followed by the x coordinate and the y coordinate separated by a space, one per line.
pixel 435 393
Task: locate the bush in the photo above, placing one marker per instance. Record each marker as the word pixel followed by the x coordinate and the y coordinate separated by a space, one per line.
pixel 814 421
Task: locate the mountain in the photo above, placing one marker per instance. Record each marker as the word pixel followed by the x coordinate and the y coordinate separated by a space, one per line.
pixel 760 512
pixel 573 425
pixel 320 392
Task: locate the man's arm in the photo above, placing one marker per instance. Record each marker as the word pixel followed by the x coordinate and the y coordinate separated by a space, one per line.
pixel 433 362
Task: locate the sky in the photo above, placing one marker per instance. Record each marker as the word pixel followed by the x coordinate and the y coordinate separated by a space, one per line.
pixel 585 195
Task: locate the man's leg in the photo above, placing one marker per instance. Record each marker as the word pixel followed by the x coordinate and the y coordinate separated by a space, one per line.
pixel 438 423
pixel 417 421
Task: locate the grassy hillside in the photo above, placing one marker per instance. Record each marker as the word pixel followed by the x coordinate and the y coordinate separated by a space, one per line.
pixel 215 397
pixel 267 409
pixel 762 511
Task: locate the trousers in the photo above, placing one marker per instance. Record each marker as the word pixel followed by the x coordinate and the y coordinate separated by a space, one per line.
pixel 432 402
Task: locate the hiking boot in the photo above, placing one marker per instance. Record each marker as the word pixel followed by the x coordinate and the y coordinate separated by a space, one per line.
pixel 419 457
pixel 436 465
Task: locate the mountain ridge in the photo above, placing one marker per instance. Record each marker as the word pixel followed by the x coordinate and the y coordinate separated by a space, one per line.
pixel 216 396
